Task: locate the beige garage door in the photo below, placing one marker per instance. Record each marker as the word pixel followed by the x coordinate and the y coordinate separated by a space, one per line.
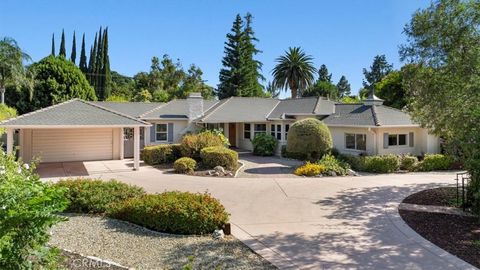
pixel 56 145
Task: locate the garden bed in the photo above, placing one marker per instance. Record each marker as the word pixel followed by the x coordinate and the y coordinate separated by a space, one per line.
pixel 457 234
pixel 134 246
pixel 200 171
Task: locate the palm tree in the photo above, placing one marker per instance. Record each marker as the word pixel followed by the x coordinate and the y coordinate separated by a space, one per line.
pixel 294 70
pixel 272 90
pixel 11 64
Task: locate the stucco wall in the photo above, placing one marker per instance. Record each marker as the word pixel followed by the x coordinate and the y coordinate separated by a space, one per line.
pixel 179 128
pixel 338 137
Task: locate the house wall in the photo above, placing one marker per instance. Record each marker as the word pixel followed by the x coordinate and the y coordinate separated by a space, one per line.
pixel 180 127
pixel 423 142
pixel 338 137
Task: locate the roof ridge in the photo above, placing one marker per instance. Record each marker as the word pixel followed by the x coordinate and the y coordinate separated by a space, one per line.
pixel 375 117
pixel 154 109
pixel 225 101
pixel 38 111
pixel 274 107
pixel 113 111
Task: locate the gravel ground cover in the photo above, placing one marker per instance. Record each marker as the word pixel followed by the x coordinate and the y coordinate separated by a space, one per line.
pixel 75 261
pixel 134 246
pixel 459 235
pixel 444 196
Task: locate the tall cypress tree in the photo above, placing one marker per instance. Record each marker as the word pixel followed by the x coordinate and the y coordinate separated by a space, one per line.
pixel 105 75
pixel 92 66
pixel 343 87
pixel 63 51
pixel 73 55
pixel 230 77
pixel 83 57
pixel 53 45
pixel 99 65
pixel 250 67
pixel 323 74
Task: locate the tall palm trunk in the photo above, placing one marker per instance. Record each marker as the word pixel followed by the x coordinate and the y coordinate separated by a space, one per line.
pixel 294 89
pixel 2 92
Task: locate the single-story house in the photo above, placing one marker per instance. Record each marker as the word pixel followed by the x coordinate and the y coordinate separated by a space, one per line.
pixel 79 130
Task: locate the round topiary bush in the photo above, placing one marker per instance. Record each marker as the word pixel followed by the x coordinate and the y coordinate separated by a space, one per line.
pixel 173 212
pixel 185 165
pixel 309 139
pixel 264 145
pixel 192 144
pixel 219 156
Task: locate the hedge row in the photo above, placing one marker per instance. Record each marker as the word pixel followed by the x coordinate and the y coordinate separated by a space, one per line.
pixel 393 163
pixel 160 154
pixel 170 212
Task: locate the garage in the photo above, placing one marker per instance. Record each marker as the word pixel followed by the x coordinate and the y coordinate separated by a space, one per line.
pixel 75 130
pixel 60 145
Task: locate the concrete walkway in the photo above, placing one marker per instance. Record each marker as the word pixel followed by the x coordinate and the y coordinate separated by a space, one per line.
pixel 320 223
pixel 270 166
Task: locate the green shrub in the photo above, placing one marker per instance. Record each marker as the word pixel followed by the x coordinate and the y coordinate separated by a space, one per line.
pixel 6 112
pixel 28 210
pixel 173 212
pixel 330 163
pixel 219 133
pixel 192 144
pixel 160 154
pixel 309 169
pixel 408 163
pixel 219 156
pixel 95 195
pixel 309 139
pixel 381 164
pixel 185 165
pixel 432 162
pixel 264 145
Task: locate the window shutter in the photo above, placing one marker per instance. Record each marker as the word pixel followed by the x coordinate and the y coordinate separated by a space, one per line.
pixel 170 132
pixel 152 133
pixel 410 139
pixel 385 140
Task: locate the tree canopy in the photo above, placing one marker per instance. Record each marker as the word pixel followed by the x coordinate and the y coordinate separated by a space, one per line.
pixel 379 69
pixel 323 86
pixel 12 70
pixel 444 81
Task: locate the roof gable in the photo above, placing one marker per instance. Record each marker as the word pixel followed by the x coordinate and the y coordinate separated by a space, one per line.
pixel 133 109
pixel 241 109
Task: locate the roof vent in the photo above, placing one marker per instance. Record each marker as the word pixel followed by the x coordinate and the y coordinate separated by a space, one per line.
pixel 372 100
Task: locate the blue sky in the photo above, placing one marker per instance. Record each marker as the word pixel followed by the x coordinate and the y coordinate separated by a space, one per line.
pixel 343 34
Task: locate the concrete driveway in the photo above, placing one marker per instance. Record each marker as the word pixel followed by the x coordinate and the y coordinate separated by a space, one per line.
pixel 321 223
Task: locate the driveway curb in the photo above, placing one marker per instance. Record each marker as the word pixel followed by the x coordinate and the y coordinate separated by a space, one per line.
pixel 394 216
pixel 258 247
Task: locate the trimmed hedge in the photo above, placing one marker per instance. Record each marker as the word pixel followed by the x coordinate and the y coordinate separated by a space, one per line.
pixel 408 163
pixel 264 145
pixel 192 144
pixel 185 165
pixel 160 154
pixel 173 212
pixel 433 162
pixel 95 195
pixel 381 164
pixel 309 169
pixel 309 139
pixel 219 156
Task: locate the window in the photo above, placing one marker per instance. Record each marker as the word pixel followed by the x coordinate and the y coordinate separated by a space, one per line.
pixel 161 132
pixel 246 131
pixel 287 127
pixel 356 141
pixel 259 128
pixel 397 139
pixel 276 131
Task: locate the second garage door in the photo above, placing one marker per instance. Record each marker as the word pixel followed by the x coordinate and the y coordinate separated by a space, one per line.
pixel 59 145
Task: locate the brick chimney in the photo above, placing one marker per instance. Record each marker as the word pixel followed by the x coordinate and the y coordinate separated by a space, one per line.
pixel 195 106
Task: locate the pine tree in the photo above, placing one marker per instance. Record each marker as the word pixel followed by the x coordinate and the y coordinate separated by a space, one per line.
pixel 63 51
pixel 250 67
pixel 230 78
pixel 53 45
pixel 105 75
pixel 73 55
pixel 379 69
pixel 323 75
pixel 343 87
pixel 83 57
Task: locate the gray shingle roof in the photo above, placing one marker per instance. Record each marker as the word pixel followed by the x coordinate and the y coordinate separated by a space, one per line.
pixel 134 109
pixel 74 112
pixel 177 108
pixel 241 109
pixel 367 115
pixel 302 106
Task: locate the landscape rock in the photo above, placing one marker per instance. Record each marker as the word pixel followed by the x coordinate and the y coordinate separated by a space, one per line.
pixel 218 234
pixel 219 169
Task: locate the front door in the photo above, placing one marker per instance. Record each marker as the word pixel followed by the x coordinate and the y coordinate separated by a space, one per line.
pixel 232 134
pixel 128 141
